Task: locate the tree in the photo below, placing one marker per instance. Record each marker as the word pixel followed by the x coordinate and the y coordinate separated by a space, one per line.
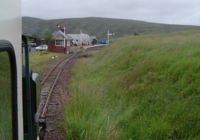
pixel 136 33
pixel 48 37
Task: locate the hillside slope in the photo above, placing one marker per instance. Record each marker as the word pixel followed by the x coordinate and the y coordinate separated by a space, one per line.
pixel 97 26
pixel 139 88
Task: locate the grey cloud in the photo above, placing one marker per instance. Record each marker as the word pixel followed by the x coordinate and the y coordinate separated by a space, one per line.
pixel 167 11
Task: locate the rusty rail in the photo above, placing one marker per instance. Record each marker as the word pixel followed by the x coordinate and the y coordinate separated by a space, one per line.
pixel 42 112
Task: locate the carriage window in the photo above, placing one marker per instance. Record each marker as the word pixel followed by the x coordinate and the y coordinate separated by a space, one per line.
pixel 5 98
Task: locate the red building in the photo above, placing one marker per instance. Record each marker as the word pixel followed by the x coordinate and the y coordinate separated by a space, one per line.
pixel 57 44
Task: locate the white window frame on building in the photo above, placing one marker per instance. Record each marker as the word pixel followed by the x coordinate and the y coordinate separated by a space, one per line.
pixel 59 42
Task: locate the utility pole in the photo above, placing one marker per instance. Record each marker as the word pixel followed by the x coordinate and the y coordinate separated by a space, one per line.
pixel 81 41
pixel 108 36
pixel 64 41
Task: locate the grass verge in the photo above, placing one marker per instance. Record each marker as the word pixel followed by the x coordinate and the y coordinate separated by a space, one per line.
pixel 40 61
pixel 139 88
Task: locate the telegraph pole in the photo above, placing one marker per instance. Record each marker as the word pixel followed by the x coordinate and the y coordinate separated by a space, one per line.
pixel 64 40
pixel 81 38
pixel 108 36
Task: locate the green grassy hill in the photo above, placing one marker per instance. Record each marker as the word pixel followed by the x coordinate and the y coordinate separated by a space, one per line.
pixel 139 88
pixel 97 26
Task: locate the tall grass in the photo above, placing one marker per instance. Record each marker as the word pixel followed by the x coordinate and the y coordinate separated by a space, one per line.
pixel 139 88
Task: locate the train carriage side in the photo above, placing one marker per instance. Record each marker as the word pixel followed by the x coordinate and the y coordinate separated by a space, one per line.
pixel 17 87
pixel 10 36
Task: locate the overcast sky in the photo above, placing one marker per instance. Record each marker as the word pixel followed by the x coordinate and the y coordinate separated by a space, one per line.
pixel 164 11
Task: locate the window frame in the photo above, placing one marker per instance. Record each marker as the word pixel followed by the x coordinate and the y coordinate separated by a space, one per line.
pixel 6 46
pixel 59 45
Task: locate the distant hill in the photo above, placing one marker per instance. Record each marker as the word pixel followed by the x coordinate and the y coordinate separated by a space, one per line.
pixel 97 26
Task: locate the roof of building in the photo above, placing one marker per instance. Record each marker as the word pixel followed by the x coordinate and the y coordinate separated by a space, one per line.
pixel 61 35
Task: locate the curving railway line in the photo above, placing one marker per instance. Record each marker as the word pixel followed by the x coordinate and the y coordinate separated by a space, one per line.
pixel 53 89
pixel 48 110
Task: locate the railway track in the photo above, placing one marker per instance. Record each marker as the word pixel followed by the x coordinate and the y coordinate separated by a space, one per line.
pixel 50 71
pixel 50 107
pixel 48 110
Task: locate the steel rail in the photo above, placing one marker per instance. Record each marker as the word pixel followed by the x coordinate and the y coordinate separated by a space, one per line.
pixel 46 76
pixel 44 110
